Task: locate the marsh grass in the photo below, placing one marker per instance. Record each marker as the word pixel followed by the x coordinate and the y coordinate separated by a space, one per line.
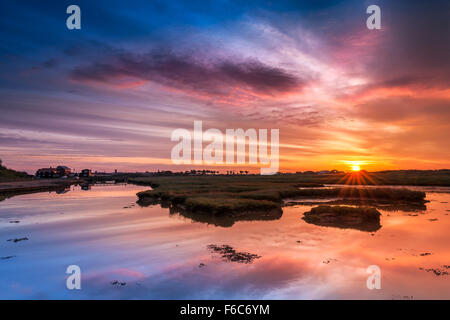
pixel 222 194
pixel 366 213
pixel 361 218
pixel 381 204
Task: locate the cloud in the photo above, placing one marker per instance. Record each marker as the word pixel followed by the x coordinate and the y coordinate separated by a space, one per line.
pixel 404 110
pixel 335 89
pixel 219 77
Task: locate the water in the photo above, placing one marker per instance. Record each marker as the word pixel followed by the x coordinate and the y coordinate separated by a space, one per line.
pixel 163 255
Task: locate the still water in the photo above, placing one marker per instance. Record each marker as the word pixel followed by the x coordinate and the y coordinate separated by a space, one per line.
pixel 130 252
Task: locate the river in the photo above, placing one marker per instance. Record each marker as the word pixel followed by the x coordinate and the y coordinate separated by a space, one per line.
pixel 125 251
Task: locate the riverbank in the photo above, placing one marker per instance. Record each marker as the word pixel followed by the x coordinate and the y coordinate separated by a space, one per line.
pixel 8 189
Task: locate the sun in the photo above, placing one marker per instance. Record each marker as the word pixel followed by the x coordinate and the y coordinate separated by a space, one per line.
pixel 356 168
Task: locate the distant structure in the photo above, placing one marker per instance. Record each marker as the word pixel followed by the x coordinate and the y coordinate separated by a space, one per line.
pixel 46 173
pixel 85 173
pixel 58 172
pixel 63 171
pixel 334 171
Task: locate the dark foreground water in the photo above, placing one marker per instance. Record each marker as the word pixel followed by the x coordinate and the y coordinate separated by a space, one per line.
pixel 129 252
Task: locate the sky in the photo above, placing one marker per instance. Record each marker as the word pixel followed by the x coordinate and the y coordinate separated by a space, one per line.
pixel 109 96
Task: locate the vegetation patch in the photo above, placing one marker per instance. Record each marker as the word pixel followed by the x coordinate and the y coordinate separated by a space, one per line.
pixel 219 205
pixel 222 195
pixel 388 194
pixel 17 239
pixel 231 255
pixel 361 218
pixel 444 271
pixel 12 175
pixel 379 204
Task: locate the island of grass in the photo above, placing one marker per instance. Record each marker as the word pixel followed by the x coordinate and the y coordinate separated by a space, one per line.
pixel 361 218
pixel 217 195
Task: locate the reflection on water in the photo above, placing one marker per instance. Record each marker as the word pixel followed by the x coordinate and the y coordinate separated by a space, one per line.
pixel 222 220
pixel 129 252
pixel 229 220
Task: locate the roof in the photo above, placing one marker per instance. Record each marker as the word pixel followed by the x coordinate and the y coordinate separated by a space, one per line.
pixel 46 169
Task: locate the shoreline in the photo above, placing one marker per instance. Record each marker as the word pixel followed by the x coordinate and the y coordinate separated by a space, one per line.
pixel 30 186
pixel 202 200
